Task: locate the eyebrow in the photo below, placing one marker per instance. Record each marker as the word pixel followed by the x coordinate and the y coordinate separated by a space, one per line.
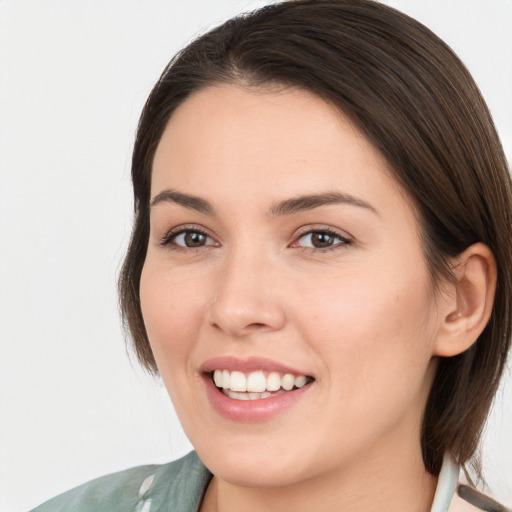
pixel 186 200
pixel 286 207
pixel 309 202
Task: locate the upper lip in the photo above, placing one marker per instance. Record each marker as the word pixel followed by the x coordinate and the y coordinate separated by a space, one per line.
pixel 247 365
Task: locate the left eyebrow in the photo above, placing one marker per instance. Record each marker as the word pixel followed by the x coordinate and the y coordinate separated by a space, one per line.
pixel 309 202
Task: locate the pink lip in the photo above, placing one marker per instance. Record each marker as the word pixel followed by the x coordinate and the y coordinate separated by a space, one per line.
pixel 251 364
pixel 249 411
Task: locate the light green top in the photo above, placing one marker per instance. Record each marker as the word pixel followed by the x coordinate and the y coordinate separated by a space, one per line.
pixel 175 487
pixel 178 487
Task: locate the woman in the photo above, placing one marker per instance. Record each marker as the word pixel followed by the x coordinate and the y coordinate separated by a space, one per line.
pixel 319 268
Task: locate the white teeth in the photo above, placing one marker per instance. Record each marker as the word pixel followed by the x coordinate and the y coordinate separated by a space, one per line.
pixel 273 381
pixel 300 381
pixel 288 381
pixel 238 382
pixel 217 378
pixel 256 382
pixel 255 385
pixel 226 378
pixel 246 396
pixel 236 395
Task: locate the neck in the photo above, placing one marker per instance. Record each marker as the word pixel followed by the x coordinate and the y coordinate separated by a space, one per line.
pixel 397 482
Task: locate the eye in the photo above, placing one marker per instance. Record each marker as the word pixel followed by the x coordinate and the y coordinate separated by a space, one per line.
pixel 187 239
pixel 321 240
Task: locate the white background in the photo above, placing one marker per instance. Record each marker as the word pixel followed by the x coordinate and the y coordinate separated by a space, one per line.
pixel 73 79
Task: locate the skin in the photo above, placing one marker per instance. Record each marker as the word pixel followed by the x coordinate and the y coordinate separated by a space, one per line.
pixel 361 317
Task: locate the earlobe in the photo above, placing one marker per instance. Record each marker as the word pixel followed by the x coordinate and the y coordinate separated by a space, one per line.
pixel 469 305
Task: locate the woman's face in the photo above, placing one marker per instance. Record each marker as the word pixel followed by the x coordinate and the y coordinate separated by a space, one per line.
pixel 280 245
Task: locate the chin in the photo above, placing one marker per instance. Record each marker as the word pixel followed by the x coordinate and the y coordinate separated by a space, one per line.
pixel 245 473
pixel 256 464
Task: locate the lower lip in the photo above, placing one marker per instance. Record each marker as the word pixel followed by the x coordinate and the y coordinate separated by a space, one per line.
pixel 251 411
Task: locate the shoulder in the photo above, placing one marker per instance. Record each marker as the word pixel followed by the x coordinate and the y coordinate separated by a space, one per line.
pixel 117 491
pixel 181 481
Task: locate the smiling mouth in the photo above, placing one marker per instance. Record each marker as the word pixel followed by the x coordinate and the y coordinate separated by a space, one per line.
pixel 258 384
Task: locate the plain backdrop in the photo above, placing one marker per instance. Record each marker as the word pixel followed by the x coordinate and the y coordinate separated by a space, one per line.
pixel 73 79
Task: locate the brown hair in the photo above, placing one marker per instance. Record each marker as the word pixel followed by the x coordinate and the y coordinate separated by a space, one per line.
pixel 416 102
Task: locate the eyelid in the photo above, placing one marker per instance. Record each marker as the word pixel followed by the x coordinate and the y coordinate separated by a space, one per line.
pixel 167 239
pixel 345 238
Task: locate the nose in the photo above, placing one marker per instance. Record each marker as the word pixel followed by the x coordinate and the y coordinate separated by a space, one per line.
pixel 246 298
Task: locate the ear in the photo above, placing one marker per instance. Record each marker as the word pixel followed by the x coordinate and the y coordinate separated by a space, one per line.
pixel 467 305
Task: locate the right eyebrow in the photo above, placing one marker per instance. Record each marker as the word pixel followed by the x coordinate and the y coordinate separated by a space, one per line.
pixel 186 200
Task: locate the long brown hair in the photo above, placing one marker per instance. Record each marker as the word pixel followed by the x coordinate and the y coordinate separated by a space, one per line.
pixel 416 102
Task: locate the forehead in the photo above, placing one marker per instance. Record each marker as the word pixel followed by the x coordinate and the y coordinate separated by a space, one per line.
pixel 234 142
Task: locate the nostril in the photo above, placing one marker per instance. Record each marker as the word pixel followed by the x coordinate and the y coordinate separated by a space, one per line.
pixel 254 326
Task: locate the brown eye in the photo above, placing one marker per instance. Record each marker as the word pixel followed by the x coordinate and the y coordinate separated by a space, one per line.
pixel 190 239
pixel 321 240
pixel 194 239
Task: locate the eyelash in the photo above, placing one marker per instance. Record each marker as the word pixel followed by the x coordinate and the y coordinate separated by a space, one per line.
pixel 169 238
pixel 342 244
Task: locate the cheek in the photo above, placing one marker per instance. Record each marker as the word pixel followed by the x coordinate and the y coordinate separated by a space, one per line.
pixel 371 326
pixel 170 309
pixel 375 345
